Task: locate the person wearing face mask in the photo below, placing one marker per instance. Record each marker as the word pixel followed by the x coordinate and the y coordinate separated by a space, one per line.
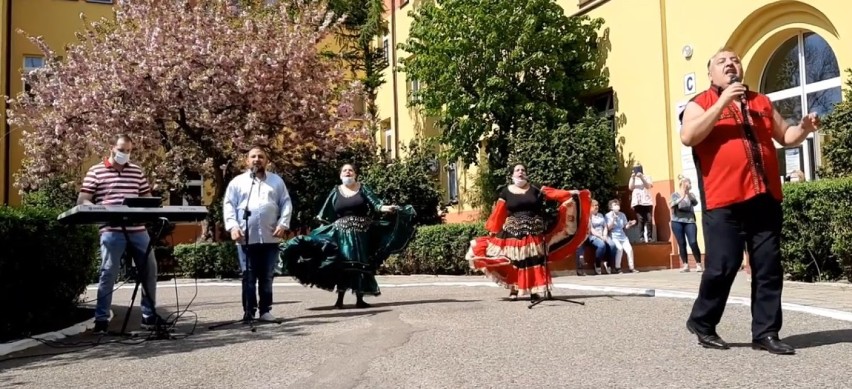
pixel 616 223
pixel 684 229
pixel 257 206
pixel 360 233
pixel 108 183
pixel 518 250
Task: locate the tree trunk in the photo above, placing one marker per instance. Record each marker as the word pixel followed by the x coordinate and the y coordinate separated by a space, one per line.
pixel 214 226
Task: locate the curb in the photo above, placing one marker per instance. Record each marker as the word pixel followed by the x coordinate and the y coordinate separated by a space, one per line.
pixel 23 344
pixel 648 292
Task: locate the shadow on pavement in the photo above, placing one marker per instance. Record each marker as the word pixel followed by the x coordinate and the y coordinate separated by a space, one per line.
pixel 392 304
pixel 191 334
pixel 819 338
pixel 613 296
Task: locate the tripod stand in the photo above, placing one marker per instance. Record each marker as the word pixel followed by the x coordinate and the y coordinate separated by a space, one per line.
pixel 248 273
pixel 547 293
pixel 161 330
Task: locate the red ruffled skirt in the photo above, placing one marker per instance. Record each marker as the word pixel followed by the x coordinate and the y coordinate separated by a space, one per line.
pixel 521 261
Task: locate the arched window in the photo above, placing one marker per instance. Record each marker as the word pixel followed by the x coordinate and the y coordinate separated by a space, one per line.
pixel 803 72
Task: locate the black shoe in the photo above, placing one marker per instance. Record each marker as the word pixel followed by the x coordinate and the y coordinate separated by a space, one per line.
pixel 709 340
pixel 773 345
pixel 535 297
pixel 248 317
pixel 101 327
pixel 153 322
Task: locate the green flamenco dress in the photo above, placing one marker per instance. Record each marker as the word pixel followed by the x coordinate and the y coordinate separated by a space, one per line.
pixel 345 253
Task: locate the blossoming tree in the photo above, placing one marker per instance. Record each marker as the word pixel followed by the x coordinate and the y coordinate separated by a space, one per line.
pixel 194 85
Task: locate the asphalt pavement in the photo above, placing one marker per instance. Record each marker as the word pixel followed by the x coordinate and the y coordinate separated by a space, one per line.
pixel 438 337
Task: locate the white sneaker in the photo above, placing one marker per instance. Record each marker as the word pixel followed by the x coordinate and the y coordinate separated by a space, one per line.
pixel 267 317
pixel 684 268
pixel 698 268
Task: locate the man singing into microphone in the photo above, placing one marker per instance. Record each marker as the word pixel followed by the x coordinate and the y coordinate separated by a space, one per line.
pixel 257 210
pixel 740 188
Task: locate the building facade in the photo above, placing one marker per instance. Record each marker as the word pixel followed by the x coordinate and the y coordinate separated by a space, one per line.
pixel 56 22
pixel 656 58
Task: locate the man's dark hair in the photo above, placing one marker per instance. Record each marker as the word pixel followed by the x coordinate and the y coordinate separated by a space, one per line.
pixel 258 146
pixel 123 137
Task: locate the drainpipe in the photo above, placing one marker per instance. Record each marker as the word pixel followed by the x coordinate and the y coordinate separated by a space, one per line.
pixel 394 6
pixel 7 138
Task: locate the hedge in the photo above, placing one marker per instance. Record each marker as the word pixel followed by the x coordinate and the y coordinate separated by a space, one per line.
pixel 816 240
pixel 437 249
pixel 44 269
pixel 207 260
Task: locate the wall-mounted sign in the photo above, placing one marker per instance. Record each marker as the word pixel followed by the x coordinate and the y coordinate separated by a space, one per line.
pixel 689 84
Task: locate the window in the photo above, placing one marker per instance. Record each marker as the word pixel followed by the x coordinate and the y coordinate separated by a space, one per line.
pixel 193 194
pixel 31 63
pixel 100 1
pixel 803 72
pixel 389 141
pixel 604 104
pixel 359 104
pixel 386 49
pixel 413 88
pixel 452 184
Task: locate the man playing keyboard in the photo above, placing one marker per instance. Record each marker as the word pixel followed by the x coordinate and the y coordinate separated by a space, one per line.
pixel 108 183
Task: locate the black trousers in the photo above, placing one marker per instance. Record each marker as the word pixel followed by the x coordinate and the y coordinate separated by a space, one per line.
pixel 755 223
pixel 645 221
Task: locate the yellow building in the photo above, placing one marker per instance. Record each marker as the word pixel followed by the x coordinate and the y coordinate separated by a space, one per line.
pixel 56 22
pixel 657 53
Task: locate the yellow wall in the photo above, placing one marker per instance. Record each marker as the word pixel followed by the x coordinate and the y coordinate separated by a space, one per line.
pixel 4 44
pixel 408 123
pixel 56 22
pixel 647 68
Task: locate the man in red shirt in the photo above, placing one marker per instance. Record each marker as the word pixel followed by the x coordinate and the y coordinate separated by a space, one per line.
pixel 740 186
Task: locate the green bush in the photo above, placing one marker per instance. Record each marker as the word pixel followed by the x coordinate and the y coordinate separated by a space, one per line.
pixel 53 194
pixel 438 249
pixel 411 180
pixel 207 260
pixel 44 269
pixel 838 128
pixel 582 155
pixel 817 238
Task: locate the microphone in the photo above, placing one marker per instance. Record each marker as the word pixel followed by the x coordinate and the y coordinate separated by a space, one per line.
pixel 734 79
pixel 253 173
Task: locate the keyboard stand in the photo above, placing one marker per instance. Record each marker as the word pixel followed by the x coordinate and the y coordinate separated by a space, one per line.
pixel 161 331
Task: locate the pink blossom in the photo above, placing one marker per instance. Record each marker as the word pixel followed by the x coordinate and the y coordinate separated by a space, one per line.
pixel 193 85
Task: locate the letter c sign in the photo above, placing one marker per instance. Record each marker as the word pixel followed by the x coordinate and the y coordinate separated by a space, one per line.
pixel 689 84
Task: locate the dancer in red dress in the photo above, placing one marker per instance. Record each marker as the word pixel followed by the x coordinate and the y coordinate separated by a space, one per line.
pixel 520 246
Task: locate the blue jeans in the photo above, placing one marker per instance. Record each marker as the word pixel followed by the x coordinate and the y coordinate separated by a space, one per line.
pixel 687 233
pixel 257 262
pixel 113 245
pixel 601 249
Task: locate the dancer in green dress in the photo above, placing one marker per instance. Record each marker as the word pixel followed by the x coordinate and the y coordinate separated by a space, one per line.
pixel 359 234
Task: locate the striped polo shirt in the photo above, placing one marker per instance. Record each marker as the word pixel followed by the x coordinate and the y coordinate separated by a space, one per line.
pixel 108 186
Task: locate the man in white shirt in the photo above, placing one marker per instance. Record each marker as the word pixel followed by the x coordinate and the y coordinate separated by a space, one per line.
pixel 257 210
